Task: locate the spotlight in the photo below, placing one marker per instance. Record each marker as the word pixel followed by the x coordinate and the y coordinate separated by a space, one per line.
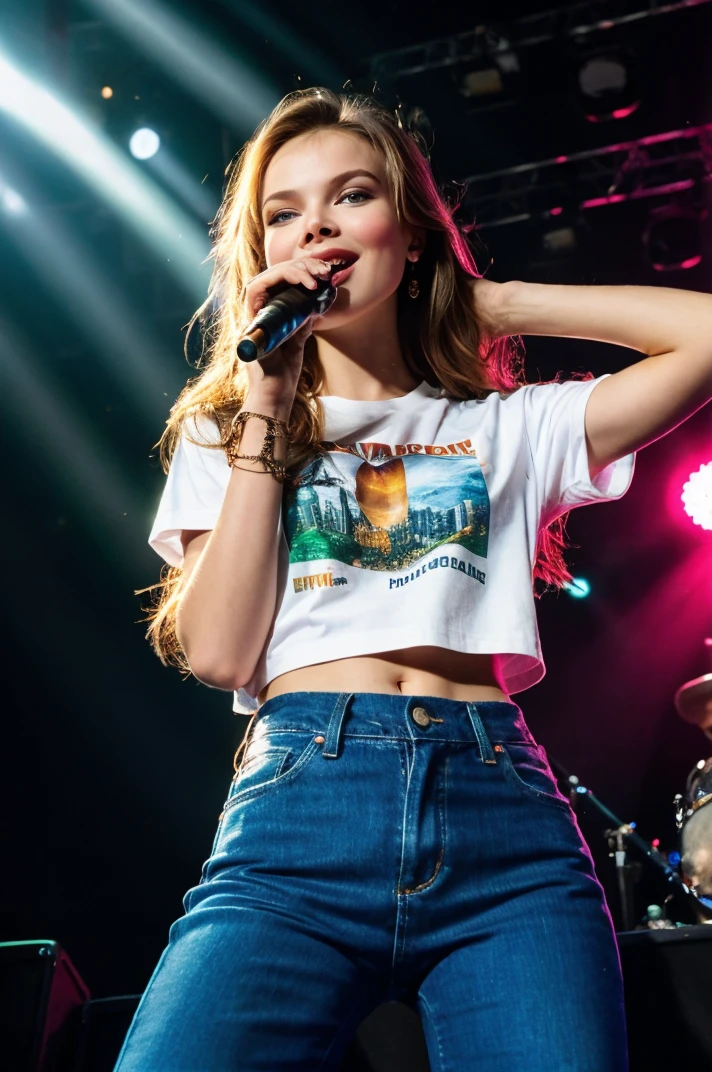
pixel 578 587
pixel 144 143
pixel 560 241
pixel 607 85
pixel 672 238
pixel 491 71
pixel 697 496
pixel 482 83
pixel 107 92
pixel 556 211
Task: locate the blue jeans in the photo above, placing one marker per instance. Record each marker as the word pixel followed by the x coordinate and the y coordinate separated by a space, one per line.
pixel 383 847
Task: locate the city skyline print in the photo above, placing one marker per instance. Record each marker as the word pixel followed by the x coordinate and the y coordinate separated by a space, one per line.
pixel 386 512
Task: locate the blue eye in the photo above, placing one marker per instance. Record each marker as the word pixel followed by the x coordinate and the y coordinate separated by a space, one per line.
pixel 352 193
pixel 356 193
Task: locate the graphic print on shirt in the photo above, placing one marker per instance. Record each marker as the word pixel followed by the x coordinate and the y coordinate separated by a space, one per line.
pixel 378 507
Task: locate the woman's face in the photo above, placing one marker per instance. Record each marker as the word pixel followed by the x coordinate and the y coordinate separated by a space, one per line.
pixel 328 190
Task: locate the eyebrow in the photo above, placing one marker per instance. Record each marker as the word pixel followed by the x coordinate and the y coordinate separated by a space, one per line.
pixel 336 181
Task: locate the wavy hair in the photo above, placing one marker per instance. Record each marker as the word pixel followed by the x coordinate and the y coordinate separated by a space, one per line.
pixel 439 334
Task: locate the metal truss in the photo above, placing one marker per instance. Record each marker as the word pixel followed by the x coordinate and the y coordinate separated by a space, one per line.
pixel 658 165
pixel 497 39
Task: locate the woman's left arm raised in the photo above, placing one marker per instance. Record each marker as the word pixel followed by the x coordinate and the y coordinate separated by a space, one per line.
pixel 644 401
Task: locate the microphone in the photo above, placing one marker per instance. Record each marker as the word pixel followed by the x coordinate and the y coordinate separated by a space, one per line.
pixel 291 306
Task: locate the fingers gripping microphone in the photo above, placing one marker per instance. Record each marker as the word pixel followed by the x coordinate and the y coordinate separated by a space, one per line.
pixel 284 314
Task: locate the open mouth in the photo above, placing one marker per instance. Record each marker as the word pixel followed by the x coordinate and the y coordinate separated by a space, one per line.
pixel 341 271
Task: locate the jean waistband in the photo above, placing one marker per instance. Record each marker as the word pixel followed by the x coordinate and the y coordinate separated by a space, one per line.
pixel 389 715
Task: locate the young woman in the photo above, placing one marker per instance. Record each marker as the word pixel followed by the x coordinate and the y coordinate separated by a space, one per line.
pixel 353 526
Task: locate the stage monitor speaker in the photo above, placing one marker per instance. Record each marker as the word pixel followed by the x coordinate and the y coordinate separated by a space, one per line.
pixel 104 1024
pixel 41 997
pixel 668 994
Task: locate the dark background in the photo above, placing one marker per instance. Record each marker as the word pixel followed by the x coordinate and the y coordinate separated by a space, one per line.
pixel 115 768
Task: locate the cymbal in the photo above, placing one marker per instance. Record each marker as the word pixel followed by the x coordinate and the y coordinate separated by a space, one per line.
pixel 693 701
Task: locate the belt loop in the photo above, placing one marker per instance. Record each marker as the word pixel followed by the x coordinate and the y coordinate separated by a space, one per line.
pixel 486 751
pixel 333 734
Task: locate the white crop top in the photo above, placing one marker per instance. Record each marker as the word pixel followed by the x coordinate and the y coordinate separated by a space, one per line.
pixel 417 526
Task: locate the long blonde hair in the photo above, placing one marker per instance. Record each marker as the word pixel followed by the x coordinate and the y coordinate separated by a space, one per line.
pixel 439 334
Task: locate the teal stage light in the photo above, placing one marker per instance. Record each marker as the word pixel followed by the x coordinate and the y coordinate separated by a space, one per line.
pixel 578 587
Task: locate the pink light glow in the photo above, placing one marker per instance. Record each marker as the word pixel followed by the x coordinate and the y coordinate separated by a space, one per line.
pixel 561 159
pixel 697 496
pixel 689 263
pixel 618 113
pixel 621 113
pixel 678 477
pixel 556 211
pixel 595 202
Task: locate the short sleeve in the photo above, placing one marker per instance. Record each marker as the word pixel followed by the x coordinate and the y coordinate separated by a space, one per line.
pixel 193 495
pixel 554 416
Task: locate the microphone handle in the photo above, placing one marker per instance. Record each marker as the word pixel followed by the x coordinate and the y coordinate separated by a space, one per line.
pixel 282 316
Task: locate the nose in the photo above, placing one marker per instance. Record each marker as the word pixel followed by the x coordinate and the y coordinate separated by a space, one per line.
pixel 309 234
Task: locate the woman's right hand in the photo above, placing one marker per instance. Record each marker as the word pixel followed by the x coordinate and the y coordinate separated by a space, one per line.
pixel 276 376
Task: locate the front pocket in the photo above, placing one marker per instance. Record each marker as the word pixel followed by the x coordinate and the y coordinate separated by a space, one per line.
pixel 526 767
pixel 268 762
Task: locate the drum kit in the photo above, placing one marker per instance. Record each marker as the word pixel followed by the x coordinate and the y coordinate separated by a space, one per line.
pixel 693 809
pixel 687 870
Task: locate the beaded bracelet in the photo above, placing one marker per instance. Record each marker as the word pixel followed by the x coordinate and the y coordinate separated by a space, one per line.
pixel 276 429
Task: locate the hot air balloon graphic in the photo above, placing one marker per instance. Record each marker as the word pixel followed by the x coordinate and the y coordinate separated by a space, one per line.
pixel 381 492
pixel 382 495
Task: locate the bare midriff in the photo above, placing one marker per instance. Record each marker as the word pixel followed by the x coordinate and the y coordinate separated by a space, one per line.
pixel 421 671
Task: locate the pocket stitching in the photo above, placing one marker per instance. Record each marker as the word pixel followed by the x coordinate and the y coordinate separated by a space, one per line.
pixel 295 769
pixel 248 762
pixel 530 791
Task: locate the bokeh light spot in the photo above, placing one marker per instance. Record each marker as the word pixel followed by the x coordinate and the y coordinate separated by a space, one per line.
pixel 144 143
pixel 578 587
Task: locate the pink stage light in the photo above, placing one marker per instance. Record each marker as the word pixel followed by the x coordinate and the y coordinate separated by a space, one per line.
pixel 622 113
pixel 556 211
pixel 617 113
pixel 697 496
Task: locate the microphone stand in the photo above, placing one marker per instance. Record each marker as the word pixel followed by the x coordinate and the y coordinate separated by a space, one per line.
pixel 622 835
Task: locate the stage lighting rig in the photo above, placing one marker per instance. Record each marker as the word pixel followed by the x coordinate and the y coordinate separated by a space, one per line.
pixel 574 22
pixel 607 84
pixel 669 164
pixel 489 72
pixel 672 237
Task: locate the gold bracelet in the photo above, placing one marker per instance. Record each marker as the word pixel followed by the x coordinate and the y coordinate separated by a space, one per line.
pixel 276 429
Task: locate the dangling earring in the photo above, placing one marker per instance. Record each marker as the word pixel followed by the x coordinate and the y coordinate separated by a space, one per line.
pixel 413 284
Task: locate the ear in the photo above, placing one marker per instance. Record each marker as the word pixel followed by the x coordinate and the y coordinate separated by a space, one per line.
pixel 416 244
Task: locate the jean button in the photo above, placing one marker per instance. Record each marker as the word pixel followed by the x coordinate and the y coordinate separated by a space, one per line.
pixel 421 716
